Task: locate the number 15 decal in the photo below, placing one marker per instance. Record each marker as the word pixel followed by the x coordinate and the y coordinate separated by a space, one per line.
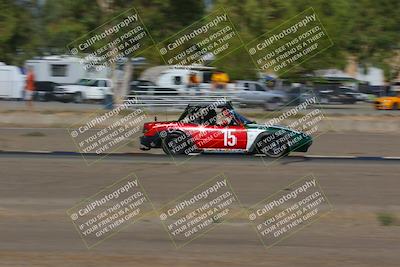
pixel 229 138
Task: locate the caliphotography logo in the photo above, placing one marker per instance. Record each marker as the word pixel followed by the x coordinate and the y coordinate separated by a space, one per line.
pixel 123 36
pixel 109 211
pixel 293 128
pixel 289 44
pixel 105 132
pixel 210 38
pixel 288 211
pixel 199 211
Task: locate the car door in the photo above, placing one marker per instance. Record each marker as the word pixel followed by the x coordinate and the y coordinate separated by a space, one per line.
pixel 230 137
pixel 216 136
pixel 253 94
pixel 100 90
pixel 245 93
pixel 260 95
pixel 220 137
pixel 90 89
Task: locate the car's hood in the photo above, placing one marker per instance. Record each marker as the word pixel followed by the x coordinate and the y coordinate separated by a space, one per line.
pixel 70 87
pixel 387 98
pixel 265 127
pixel 277 93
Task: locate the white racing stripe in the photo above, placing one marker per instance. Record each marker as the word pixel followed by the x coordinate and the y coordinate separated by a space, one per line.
pixel 251 136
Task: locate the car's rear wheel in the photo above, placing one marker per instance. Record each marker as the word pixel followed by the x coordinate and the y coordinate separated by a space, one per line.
pixel 273 146
pixel 177 144
pixel 396 106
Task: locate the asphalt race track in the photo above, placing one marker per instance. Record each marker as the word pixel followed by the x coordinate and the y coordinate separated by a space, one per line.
pixel 38 187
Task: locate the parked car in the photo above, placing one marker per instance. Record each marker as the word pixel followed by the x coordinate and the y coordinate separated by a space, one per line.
pixel 336 96
pixel 84 89
pixel 392 101
pixel 206 127
pixel 351 91
pixel 44 91
pixel 298 94
pixel 252 93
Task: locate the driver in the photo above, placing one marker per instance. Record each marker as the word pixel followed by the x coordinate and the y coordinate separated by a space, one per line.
pixel 210 117
pixel 227 118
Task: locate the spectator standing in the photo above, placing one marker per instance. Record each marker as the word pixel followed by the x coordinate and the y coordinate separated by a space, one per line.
pixel 30 88
pixel 194 82
pixel 219 79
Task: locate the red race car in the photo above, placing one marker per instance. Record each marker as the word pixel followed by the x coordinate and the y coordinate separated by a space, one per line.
pixel 218 127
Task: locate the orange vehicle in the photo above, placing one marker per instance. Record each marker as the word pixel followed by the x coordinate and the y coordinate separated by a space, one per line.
pixel 388 102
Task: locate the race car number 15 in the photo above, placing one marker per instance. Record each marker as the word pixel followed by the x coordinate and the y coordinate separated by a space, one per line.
pixel 229 138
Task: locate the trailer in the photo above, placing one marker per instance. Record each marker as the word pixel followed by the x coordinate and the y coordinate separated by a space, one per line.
pixel 12 82
pixel 63 69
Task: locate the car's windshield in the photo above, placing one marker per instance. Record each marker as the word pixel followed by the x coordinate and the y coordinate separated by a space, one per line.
pixel 190 115
pixel 200 115
pixel 86 82
pixel 242 118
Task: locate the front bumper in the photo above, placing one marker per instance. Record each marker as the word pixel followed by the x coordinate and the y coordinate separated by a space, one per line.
pixel 148 142
pixel 43 96
pixel 382 105
pixel 303 145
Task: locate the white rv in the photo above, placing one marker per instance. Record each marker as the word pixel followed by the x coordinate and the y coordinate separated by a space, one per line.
pixel 177 78
pixel 12 82
pixel 63 69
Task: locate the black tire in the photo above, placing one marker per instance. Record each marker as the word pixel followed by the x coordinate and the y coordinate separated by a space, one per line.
pixel 350 101
pixel 43 98
pixel 396 106
pixel 177 144
pixel 273 146
pixel 78 97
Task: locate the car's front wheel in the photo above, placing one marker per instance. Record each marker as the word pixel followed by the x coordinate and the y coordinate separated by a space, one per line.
pixel 273 104
pixel 273 147
pixel 178 144
pixel 78 97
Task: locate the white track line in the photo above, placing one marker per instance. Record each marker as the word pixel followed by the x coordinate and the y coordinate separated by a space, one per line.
pixel 257 155
pixel 398 158
pixel 333 156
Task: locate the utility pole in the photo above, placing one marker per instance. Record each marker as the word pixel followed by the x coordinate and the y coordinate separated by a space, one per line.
pixel 120 82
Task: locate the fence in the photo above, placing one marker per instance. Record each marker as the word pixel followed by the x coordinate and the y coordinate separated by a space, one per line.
pixel 174 98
